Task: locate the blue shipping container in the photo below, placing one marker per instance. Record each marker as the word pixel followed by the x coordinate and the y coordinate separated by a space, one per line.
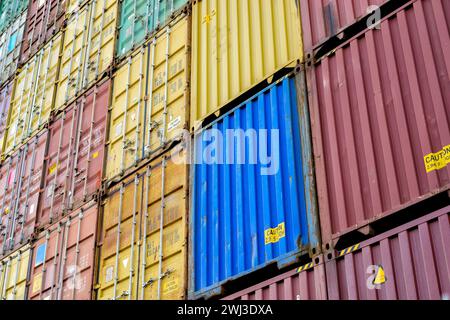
pixel 253 199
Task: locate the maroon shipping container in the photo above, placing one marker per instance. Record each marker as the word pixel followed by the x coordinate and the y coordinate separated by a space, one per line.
pixel 5 99
pixel 62 263
pixel 379 107
pixel 21 179
pixel 74 163
pixel 410 262
pixel 322 19
pixel 45 18
pixel 307 284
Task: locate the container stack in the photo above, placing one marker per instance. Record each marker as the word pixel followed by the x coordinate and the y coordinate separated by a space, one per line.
pixel 264 149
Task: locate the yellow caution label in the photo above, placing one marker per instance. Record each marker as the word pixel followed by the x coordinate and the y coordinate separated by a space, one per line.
pixel 37 283
pixel 438 160
pixel 273 235
pixel 348 250
pixel 95 155
pixel 380 278
pixel 52 168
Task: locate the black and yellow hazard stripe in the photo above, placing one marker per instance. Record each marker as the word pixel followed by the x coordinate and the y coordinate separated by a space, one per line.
pixel 305 267
pixel 349 250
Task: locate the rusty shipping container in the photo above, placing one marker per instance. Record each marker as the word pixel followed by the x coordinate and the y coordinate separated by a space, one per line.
pixel 380 119
pixel 150 100
pixel 32 99
pixel 411 262
pixel 88 49
pixel 304 283
pixel 5 100
pixel 20 181
pixel 45 18
pixel 143 244
pixel 14 275
pixel 62 260
pixel 10 46
pixel 236 45
pixel 75 158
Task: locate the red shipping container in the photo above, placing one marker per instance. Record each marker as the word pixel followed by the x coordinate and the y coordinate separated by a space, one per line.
pixel 21 179
pixel 296 284
pixel 74 164
pixel 5 99
pixel 62 263
pixel 380 119
pixel 45 18
pixel 411 262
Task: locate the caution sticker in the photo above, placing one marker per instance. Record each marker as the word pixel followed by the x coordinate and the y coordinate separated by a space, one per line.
pixel 95 155
pixel 273 235
pixel 438 160
pixel 380 277
pixel 52 169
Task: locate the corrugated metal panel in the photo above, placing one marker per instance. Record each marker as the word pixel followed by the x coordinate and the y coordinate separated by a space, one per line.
pixel 62 264
pixel 149 109
pixel 10 44
pixel 379 108
pixel 74 162
pixel 44 19
pixel 322 19
pixel 237 203
pixel 147 208
pixel 5 99
pixel 411 262
pixel 13 275
pixel 88 49
pixel 238 44
pixel 33 95
pixel 10 10
pixel 21 178
pixel 307 284
pixel 139 18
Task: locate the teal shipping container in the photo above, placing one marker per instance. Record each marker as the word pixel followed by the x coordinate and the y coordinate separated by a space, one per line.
pixel 10 10
pixel 253 196
pixel 140 18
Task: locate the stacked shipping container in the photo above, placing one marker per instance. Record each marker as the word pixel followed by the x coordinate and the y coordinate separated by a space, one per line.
pixel 119 182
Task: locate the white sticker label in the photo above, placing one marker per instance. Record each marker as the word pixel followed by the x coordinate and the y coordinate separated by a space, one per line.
pixel 109 274
pixel 174 124
pixel 32 208
pixel 50 190
pixel 125 262
pixel 119 129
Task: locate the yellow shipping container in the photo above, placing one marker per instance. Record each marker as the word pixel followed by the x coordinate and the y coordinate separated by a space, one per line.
pixel 149 109
pixel 88 49
pixel 146 208
pixel 238 44
pixel 14 274
pixel 33 95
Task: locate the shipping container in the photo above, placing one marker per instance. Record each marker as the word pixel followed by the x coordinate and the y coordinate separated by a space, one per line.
pixel 303 283
pixel 10 10
pixel 140 18
pixel 10 44
pixel 5 99
pixel 14 275
pixel 33 95
pixel 75 157
pixel 145 210
pixel 45 18
pixel 249 211
pixel 88 49
pixel 380 119
pixel 62 263
pixel 21 180
pixel 237 45
pixel 150 103
pixel 410 262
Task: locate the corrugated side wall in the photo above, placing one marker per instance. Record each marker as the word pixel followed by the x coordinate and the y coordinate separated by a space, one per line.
pixel 44 19
pixel 249 212
pixel 62 264
pixel 380 118
pixel 411 262
pixel 146 209
pixel 14 275
pixel 238 44
pixel 5 100
pixel 296 284
pixel 140 18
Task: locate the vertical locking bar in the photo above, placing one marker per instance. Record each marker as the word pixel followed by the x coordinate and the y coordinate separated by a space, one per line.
pixel 75 152
pixel 31 109
pixel 41 106
pixel 16 276
pixel 133 237
pixel 100 43
pixel 85 76
pixel 70 154
pixel 19 112
pixel 124 124
pixel 91 132
pixel 144 246
pixel 62 266
pixel 150 97
pixel 55 261
pixel 138 117
pixel 6 279
pixel 166 89
pixel 119 231
pixel 161 225
pixel 74 40
pixel 44 263
pixel 77 253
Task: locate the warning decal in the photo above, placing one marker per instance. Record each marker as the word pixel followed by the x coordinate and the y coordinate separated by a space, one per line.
pixel 438 160
pixel 273 235
pixel 52 169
